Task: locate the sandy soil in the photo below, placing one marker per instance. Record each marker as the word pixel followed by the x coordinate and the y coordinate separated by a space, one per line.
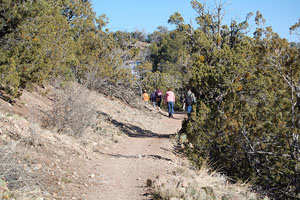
pixel 134 147
pixel 125 168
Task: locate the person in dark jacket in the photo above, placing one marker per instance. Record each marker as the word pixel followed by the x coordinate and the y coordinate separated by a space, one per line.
pixel 159 97
pixel 190 99
pixel 153 98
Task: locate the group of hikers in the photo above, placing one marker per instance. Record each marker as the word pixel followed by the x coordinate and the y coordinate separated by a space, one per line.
pixel 157 98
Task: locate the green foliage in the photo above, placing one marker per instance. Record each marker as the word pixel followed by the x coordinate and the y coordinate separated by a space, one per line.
pixel 43 40
pixel 143 69
pixel 158 80
pixel 35 44
pixel 170 55
pixel 10 80
pixel 246 119
pixel 247 116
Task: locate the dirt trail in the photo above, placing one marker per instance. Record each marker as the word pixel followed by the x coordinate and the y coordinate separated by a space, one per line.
pixel 125 168
pixel 124 149
pixel 111 161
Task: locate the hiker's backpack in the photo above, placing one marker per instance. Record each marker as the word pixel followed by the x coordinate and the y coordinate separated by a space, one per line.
pixel 188 100
pixel 158 96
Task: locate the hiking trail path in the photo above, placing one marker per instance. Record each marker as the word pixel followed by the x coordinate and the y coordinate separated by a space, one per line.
pixel 114 161
pixel 125 168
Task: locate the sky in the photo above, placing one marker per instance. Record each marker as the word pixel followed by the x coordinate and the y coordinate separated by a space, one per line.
pixel 143 15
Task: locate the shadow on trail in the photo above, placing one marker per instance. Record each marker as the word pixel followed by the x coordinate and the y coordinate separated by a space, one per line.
pixel 132 130
pixel 178 115
pixel 137 156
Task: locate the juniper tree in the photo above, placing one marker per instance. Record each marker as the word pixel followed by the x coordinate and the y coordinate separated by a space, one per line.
pixel 245 119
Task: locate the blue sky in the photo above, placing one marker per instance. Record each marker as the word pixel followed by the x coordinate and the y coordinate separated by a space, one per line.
pixel 142 15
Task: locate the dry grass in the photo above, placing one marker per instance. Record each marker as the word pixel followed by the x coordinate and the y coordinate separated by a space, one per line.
pixel 16 181
pixel 203 184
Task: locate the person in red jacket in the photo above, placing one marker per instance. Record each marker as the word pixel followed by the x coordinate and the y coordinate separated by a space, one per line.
pixel 170 100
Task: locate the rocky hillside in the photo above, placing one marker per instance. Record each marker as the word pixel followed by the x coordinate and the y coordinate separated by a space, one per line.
pixel 78 144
